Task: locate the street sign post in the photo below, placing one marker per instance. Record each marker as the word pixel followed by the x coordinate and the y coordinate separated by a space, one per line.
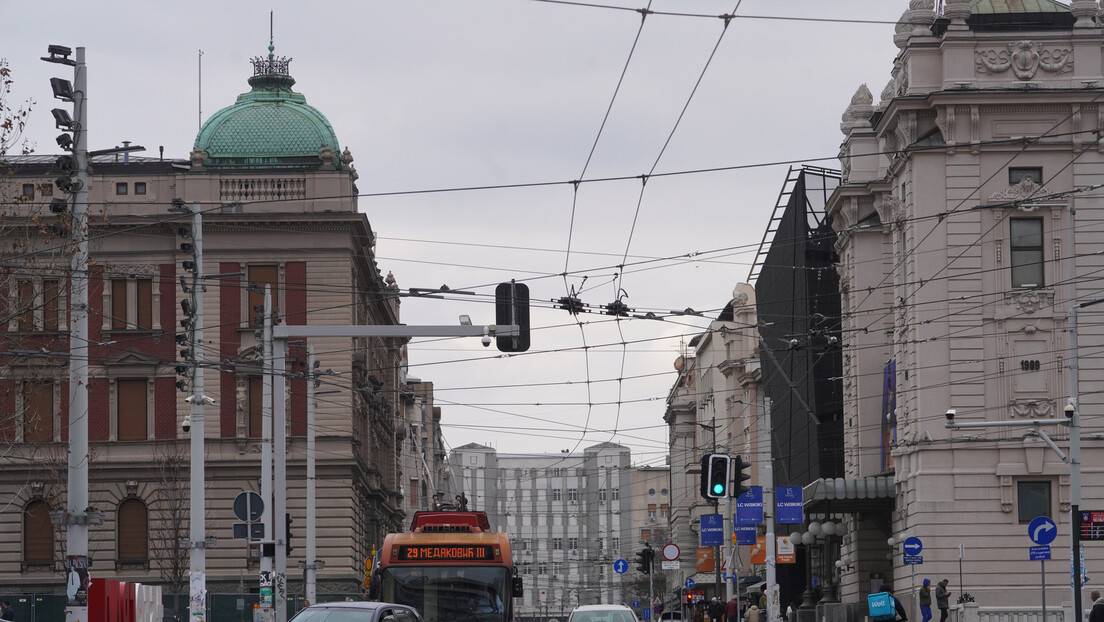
pixel 620 566
pixel 671 552
pixel 1042 532
pixel 689 584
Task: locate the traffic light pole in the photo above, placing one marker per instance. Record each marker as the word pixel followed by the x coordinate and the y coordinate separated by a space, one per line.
pixel 767 471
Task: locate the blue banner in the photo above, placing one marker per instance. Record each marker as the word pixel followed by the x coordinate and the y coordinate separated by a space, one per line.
pixel 712 530
pixel 745 534
pixel 749 507
pixel 788 505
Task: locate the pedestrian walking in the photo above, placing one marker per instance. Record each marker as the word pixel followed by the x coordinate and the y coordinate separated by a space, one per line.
pixel 716 610
pixel 942 594
pixel 926 601
pixel 732 610
pixel 6 611
pixel 752 614
pixel 900 609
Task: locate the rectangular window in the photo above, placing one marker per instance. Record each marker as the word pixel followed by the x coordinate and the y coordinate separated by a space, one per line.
pixel 1026 245
pixel 261 276
pixel 573 544
pixel 256 399
pixel 557 544
pixel 664 510
pixel 413 495
pixel 651 511
pixel 601 494
pixel 555 494
pixel 616 544
pixel 121 188
pixel 542 568
pixel 645 535
pixel 26 306
pixel 139 187
pixel 50 307
pixel 28 191
pixel 615 493
pixel 1033 500
pixel 1017 173
pixel 131 304
pixel 572 494
pixel 38 412
pixel 131 409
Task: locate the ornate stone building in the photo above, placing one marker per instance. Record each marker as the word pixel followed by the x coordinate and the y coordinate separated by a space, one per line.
pixel 967 193
pixel 278 196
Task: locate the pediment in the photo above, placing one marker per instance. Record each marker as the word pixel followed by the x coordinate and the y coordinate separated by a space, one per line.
pixel 132 359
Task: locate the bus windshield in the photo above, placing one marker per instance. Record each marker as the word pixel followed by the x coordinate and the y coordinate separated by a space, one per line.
pixel 449 593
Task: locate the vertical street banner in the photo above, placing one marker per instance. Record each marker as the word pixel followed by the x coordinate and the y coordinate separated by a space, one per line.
pixel 705 559
pixel 712 530
pixel 745 534
pixel 749 507
pixel 889 412
pixel 789 509
pixel 759 551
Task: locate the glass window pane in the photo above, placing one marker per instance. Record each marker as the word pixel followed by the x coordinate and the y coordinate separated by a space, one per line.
pixel 1033 500
pixel 1026 232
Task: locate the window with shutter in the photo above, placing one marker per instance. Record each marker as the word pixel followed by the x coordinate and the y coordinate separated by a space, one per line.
pixel 133 520
pixel 38 534
pixel 50 305
pixel 132 407
pixel 38 412
pixel 262 275
pixel 256 401
pixel 131 304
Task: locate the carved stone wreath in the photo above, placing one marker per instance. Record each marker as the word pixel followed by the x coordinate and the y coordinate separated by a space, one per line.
pixel 1026 189
pixel 1032 409
pixel 1032 301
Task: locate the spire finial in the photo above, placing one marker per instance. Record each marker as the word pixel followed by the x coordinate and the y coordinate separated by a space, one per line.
pixel 271 47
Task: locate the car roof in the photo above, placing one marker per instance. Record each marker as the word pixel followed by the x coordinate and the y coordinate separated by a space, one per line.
pixel 599 607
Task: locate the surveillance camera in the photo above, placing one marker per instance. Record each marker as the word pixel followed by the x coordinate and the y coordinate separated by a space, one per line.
pixel 951 415
pixel 1069 409
pixel 486 341
pixel 187 425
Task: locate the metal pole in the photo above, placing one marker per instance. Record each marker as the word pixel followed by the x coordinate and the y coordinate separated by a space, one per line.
pixel 767 471
pixel 197 585
pixel 76 526
pixel 1042 583
pixel 279 476
pixel 1075 428
pixel 311 589
pixel 266 457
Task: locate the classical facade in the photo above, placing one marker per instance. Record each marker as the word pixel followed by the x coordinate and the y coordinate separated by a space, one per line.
pixel 714 406
pixel 968 231
pixel 278 196
pixel 569 517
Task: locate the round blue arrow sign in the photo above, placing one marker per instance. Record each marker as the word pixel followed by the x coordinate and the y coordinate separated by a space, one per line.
pixel 913 546
pixel 1042 530
pixel 620 566
pixel 689 584
pixel 635 604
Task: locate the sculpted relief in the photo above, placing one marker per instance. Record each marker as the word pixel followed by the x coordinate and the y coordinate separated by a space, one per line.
pixel 1025 59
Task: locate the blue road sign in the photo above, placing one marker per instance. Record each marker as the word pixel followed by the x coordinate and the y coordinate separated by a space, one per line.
pixel 646 613
pixel 635 604
pixel 689 584
pixel 1042 530
pixel 746 534
pixel 712 530
pixel 749 506
pixel 620 566
pixel 914 560
pixel 1039 552
pixel 789 505
pixel 913 546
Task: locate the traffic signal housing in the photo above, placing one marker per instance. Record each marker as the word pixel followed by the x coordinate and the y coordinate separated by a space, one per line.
pixel 644 560
pixel 287 534
pixel 739 477
pixel 714 476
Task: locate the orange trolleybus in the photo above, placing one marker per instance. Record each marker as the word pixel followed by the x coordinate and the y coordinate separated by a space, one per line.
pixel 450 567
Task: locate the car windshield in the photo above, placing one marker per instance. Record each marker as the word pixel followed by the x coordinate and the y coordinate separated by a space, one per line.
pixel 608 615
pixel 449 593
pixel 335 614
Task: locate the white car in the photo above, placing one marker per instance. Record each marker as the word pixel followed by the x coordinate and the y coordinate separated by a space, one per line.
pixel 602 613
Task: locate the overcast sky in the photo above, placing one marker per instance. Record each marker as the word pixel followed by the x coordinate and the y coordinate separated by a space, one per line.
pixel 486 94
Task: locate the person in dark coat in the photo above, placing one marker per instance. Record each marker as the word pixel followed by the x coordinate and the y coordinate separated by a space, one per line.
pixel 716 610
pixel 1097 613
pixel 901 615
pixel 6 611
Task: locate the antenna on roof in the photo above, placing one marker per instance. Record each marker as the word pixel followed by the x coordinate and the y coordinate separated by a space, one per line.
pixel 200 120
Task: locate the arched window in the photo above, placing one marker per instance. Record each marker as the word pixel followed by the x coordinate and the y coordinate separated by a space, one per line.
pixel 133 521
pixel 38 534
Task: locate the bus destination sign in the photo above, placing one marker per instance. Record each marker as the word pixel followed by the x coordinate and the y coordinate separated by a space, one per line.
pixel 446 552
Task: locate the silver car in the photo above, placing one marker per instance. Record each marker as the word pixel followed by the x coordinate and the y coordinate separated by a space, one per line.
pixel 357 611
pixel 602 613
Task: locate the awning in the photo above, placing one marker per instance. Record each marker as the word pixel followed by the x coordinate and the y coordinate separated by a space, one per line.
pixel 849 495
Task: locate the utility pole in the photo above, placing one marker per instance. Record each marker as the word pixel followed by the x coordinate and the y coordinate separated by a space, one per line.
pixel 310 569
pixel 1073 412
pixel 279 474
pixel 767 472
pixel 76 518
pixel 197 585
pixel 266 600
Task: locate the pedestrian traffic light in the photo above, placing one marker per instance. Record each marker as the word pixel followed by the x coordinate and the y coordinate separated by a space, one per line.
pixel 714 476
pixel 644 560
pixel 287 534
pixel 739 477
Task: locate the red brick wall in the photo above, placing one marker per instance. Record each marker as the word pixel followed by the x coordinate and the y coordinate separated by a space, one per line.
pixel 230 297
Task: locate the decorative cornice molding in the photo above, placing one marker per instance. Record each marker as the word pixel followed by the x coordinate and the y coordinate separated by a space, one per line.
pixel 1025 58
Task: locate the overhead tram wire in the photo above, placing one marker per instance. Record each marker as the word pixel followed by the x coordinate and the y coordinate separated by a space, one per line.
pixel 592 5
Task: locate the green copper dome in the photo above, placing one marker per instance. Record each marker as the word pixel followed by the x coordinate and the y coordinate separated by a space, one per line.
pixel 271 126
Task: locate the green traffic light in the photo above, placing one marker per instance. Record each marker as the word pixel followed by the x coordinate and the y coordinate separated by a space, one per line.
pixel 718 489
